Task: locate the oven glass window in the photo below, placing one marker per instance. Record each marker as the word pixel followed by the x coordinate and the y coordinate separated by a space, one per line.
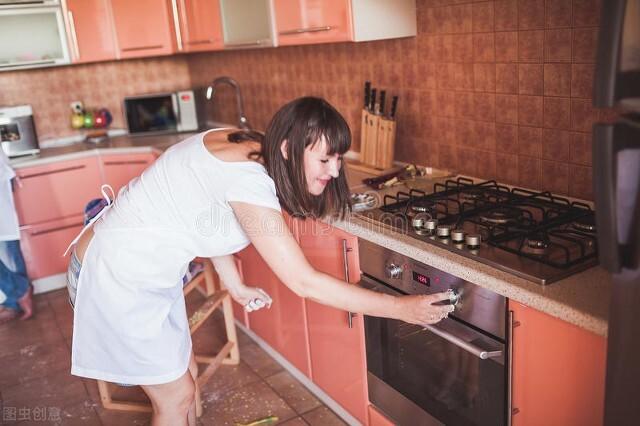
pixel 451 384
pixel 9 133
pixel 153 114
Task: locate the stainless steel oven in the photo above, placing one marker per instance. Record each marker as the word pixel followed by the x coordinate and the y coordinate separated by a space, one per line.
pixel 455 372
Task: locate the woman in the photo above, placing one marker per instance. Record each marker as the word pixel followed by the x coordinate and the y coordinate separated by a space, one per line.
pixel 208 197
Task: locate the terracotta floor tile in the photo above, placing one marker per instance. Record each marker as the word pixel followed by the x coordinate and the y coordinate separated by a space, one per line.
pixel 229 377
pixel 298 421
pixel 34 361
pixel 323 417
pixel 244 405
pixel 259 361
pixel 292 391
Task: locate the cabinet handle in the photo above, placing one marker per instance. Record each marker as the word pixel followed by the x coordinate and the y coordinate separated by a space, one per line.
pixel 510 410
pixel 345 260
pixel 66 169
pixel 74 35
pixel 246 44
pixel 199 42
pixel 48 231
pixel 27 64
pixel 132 49
pixel 176 23
pixel 305 30
pixel 120 163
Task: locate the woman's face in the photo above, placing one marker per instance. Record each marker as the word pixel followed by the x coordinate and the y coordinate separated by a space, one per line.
pixel 319 167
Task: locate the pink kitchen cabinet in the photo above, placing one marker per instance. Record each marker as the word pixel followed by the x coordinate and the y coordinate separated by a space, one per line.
pixel 43 245
pixel 337 348
pixel 90 30
pixel 118 170
pixel 558 371
pixel 200 26
pixel 144 27
pixel 376 418
pixel 43 192
pixel 313 21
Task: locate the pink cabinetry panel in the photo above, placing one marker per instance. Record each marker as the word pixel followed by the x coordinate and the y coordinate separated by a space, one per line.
pixel 91 30
pixel 43 245
pixel 200 25
pixel 57 190
pixel 376 418
pixel 313 21
pixel 120 169
pixel 338 361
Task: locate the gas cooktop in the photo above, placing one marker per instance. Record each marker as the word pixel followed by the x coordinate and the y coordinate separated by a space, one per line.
pixel 534 235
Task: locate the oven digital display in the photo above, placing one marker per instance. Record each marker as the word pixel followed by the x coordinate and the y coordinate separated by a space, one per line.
pixel 422 279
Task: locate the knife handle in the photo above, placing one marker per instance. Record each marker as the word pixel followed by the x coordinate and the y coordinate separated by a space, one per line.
pixel 383 95
pixel 367 93
pixel 394 105
pixel 372 106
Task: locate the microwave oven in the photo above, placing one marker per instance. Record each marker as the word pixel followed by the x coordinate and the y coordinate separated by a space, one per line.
pixel 17 131
pixel 161 113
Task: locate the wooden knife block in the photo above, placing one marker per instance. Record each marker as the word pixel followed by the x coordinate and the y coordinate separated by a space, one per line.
pixel 377 141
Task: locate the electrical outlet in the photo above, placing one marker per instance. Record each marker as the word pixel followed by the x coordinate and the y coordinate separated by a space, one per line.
pixel 77 107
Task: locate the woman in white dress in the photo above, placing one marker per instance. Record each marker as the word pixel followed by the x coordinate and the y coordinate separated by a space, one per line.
pixel 210 196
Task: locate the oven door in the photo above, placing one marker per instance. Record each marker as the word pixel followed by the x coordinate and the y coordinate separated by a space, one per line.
pixel 447 374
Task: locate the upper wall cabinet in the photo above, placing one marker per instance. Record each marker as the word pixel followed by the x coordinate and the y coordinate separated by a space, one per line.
pixel 198 26
pixel 90 30
pixel 321 21
pixel 143 27
pixel 247 23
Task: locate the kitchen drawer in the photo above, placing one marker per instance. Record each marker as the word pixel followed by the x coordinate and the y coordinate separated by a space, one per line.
pixel 43 245
pixel 55 191
pixel 118 170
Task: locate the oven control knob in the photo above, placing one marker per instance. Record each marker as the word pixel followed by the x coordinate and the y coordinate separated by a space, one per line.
pixel 393 271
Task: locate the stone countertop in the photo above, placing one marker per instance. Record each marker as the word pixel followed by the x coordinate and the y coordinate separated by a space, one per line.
pixel 581 299
pixel 116 145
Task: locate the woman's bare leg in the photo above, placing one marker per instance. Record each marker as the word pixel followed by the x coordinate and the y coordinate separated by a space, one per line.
pixel 172 402
pixel 193 411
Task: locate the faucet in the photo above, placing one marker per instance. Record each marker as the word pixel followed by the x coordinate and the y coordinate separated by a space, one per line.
pixel 211 90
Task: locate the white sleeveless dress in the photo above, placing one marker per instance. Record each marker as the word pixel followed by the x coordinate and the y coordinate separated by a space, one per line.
pixel 130 323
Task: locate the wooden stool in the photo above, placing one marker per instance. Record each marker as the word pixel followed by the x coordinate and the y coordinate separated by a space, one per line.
pixel 229 353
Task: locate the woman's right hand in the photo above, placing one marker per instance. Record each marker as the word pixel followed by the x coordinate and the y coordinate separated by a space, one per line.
pixel 420 309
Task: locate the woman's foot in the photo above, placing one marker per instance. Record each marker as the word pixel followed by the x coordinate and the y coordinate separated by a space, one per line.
pixel 7 314
pixel 26 303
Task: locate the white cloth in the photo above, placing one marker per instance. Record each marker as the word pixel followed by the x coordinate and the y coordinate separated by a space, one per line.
pixel 130 323
pixel 9 230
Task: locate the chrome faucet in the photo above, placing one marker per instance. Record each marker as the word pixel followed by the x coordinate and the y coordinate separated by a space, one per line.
pixel 211 90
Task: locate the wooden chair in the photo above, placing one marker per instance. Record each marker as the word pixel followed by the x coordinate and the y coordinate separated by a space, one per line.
pixel 205 282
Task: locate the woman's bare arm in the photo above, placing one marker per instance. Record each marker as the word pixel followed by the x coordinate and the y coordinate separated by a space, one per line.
pixel 251 298
pixel 270 235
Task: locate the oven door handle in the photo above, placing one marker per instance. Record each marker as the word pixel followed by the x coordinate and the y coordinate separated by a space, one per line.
pixel 462 344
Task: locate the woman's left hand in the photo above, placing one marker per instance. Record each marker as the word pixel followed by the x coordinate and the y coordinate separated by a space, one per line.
pixel 252 298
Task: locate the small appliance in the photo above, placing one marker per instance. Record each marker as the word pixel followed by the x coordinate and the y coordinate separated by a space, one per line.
pixel 161 113
pixel 17 131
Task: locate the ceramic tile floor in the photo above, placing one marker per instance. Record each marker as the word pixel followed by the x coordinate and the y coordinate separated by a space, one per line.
pixel 37 389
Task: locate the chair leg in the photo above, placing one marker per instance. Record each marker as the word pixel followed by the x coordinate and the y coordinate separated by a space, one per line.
pixel 198 401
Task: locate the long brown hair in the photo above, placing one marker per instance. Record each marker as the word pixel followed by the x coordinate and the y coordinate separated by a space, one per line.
pixel 303 122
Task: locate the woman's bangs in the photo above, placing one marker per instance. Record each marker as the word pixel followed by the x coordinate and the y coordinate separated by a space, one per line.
pixel 335 131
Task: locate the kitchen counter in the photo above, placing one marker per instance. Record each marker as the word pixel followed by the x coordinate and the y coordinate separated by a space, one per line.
pixel 582 299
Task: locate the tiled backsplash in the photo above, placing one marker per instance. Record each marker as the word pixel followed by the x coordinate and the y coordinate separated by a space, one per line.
pixel 494 89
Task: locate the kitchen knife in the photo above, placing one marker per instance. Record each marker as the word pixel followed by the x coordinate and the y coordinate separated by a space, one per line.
pixel 383 95
pixel 367 93
pixel 372 105
pixel 394 105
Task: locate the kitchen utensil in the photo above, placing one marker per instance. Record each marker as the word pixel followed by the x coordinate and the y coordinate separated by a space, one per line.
pixel 362 201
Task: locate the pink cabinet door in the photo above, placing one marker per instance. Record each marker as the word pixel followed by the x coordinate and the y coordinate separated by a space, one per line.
pixel 144 27
pixel 43 245
pixel 338 360
pixel 313 21
pixel 238 310
pixel 91 30
pixel 43 194
pixel 120 169
pixel 200 25
pixel 558 371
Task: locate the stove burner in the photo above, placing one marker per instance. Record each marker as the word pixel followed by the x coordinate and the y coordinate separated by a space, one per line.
pixel 500 216
pixel 585 223
pixel 536 244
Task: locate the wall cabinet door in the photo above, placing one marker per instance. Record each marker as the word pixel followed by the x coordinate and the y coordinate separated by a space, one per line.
pixel 118 170
pixel 200 25
pixel 337 349
pixel 90 30
pixel 558 371
pixel 43 245
pixel 42 193
pixel 144 27
pixel 247 23
pixel 313 21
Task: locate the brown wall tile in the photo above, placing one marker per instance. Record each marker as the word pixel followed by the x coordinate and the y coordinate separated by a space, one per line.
pixel 556 144
pixel 586 13
pixel 484 105
pixel 530 46
pixel 582 80
pixel 530 79
pixel 530 172
pixel 558 13
pixel 507 78
pixel 506 46
pixel 580 152
pixel 557 113
pixel 484 77
pixel 530 110
pixel 557 45
pixel 557 79
pixel 482 17
pixel 530 141
pixel 584 44
pixel 485 135
pixel 486 164
pixel 464 104
pixel 483 47
pixel 555 177
pixel 506 15
pixel 530 14
pixel 583 115
pixel 467 163
pixel 507 171
pixel 461 16
pixel 506 138
pixel 507 109
pixel 463 47
pixel 580 182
